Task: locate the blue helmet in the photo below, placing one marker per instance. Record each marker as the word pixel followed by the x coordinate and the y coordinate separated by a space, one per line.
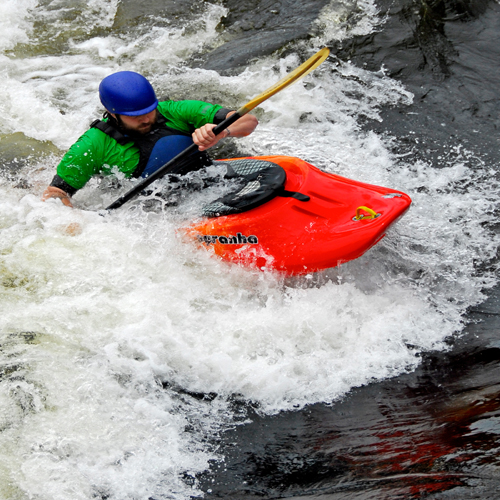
pixel 127 93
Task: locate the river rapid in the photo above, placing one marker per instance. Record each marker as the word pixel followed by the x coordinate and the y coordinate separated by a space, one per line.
pixel 135 366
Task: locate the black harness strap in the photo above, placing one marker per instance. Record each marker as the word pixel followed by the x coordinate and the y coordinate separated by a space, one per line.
pixel 110 130
pixel 292 194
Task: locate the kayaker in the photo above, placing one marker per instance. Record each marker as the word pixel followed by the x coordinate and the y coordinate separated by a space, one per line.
pixel 138 134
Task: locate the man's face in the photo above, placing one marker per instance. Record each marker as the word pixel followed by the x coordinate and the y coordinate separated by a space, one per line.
pixel 141 123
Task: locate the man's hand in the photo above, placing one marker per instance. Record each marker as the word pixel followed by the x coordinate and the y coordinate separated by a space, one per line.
pixel 53 192
pixel 204 137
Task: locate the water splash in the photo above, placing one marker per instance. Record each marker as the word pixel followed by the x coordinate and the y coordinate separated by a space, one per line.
pixel 113 333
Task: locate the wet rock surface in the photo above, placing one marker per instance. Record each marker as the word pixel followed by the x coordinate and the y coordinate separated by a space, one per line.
pixel 260 28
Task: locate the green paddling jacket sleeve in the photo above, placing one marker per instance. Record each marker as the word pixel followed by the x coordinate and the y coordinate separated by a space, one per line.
pixel 97 153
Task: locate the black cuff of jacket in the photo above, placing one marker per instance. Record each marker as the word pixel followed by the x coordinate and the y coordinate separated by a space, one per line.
pixel 220 116
pixel 60 183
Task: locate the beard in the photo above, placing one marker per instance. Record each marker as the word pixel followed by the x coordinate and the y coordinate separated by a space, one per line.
pixel 137 131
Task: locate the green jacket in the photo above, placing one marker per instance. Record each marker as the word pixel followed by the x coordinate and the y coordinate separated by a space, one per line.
pixel 97 153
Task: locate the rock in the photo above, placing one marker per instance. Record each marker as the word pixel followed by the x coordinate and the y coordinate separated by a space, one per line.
pixel 259 28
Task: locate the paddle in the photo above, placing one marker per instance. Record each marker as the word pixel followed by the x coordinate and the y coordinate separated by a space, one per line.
pixel 305 68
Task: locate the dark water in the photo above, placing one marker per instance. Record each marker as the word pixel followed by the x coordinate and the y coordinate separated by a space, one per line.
pixel 434 433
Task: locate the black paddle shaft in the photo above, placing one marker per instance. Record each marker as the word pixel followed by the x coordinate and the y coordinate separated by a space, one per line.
pixel 170 166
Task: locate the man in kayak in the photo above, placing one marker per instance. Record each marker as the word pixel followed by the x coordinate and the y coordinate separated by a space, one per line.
pixel 139 134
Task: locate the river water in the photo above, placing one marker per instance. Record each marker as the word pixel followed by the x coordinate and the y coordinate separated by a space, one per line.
pixel 133 366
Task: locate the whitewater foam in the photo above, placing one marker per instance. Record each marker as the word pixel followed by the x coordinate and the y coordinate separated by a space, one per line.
pixel 124 349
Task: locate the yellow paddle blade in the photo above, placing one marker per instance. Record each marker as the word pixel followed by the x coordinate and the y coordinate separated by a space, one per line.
pixel 305 68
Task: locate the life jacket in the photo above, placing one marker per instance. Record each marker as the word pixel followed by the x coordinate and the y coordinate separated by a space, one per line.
pixel 157 147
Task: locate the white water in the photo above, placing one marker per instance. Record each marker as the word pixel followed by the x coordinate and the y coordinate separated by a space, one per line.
pixel 93 324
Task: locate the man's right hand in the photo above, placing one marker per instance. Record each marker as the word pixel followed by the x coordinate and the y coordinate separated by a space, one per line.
pixel 53 192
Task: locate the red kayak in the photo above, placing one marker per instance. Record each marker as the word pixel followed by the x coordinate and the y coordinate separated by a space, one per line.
pixel 305 221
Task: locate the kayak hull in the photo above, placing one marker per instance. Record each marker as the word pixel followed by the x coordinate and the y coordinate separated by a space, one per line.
pixel 341 221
